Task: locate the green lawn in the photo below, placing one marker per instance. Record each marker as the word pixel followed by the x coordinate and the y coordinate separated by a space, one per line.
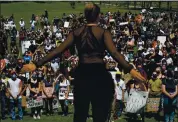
pixel 58 118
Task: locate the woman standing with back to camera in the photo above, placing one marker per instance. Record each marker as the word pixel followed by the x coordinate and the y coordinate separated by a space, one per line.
pixel 92 81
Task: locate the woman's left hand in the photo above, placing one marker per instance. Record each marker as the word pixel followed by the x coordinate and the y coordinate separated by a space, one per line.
pixel 136 75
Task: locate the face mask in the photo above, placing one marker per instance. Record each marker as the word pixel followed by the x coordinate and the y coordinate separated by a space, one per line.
pixel 14 76
pixel 154 76
pixel 34 76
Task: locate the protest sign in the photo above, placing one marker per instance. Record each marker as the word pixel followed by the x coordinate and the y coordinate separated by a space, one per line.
pixel 152 104
pixel 136 101
pixel 123 23
pixel 62 95
pixel 66 24
pixel 111 20
pixel 55 103
pixel 31 102
pixel 162 39
pixel 25 45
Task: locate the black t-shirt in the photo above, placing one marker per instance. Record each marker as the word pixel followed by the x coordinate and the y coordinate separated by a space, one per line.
pixel 170 84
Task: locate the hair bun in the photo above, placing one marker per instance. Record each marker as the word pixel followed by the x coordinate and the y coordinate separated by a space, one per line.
pixel 89 6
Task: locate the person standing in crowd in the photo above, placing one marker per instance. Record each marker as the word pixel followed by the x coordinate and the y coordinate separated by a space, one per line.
pixel 48 89
pixel 155 90
pixel 92 80
pixel 14 89
pixel 3 89
pixel 32 47
pixel 155 86
pixel 34 87
pixel 23 92
pixel 22 23
pixel 169 89
pixel 64 92
pixel 120 91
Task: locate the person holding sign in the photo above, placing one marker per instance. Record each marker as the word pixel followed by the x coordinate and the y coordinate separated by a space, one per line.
pixel 48 89
pixel 34 87
pixel 92 80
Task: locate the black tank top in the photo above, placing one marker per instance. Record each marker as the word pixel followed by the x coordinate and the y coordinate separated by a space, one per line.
pixel 88 45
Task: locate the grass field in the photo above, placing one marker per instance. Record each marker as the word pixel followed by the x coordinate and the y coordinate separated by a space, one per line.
pixel 25 10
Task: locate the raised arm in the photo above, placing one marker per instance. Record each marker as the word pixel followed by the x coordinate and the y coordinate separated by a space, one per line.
pixel 128 68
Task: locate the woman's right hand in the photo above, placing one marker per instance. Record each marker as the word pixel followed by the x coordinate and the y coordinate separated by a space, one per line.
pixel 28 68
pixel 136 75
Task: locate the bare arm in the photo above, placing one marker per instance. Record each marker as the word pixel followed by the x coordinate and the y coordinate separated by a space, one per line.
pixel 68 42
pixel 164 91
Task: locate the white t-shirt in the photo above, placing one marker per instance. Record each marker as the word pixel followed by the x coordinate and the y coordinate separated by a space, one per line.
pixel 119 87
pixel 6 26
pixel 54 29
pixel 55 66
pixel 14 87
pixel 22 23
pixel 59 35
pixel 33 23
pixel 63 86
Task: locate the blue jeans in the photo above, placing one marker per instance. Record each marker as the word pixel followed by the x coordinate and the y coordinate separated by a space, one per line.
pixel 169 109
pixel 17 102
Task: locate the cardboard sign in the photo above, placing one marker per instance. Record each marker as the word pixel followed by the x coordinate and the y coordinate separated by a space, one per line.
pixel 111 20
pixel 153 104
pixel 136 101
pixel 55 103
pixel 66 24
pixel 31 102
pixel 162 39
pixel 62 95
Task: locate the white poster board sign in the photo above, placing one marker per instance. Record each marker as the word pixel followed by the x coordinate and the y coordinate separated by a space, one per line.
pixel 66 24
pixel 136 101
pixel 144 28
pixel 111 20
pixel 62 95
pixel 162 39
pixel 31 103
pixel 25 45
pixel 123 23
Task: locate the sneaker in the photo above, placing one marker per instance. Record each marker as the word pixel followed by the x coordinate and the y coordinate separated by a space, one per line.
pixel 34 117
pixel 38 117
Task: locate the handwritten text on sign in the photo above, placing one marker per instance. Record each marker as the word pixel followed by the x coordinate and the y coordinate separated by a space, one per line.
pixel 136 101
pixel 153 104
pixel 31 103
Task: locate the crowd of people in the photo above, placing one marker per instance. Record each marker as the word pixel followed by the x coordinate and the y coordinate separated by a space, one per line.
pixel 134 35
